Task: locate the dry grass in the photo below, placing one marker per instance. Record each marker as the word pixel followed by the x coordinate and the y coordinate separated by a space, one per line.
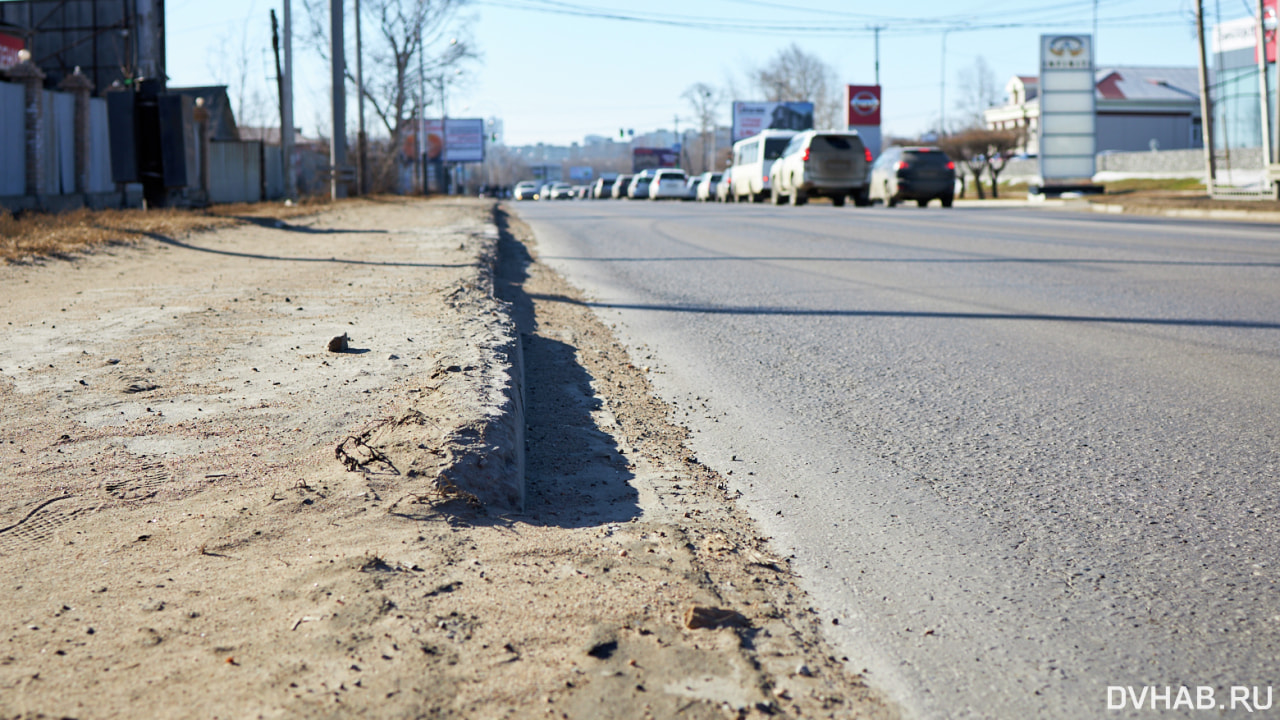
pixel 1132 185
pixel 33 235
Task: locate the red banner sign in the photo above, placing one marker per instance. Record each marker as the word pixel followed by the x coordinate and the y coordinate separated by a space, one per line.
pixel 862 103
pixel 9 47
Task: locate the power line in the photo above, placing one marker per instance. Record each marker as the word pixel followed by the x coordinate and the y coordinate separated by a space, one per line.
pixel 775 28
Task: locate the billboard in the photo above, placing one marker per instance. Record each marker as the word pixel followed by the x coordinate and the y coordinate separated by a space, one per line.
pixel 1067 108
pixel 581 173
pixel 1243 33
pixel 464 140
pixel 652 158
pixel 433 132
pixel 862 113
pixel 9 47
pixel 749 118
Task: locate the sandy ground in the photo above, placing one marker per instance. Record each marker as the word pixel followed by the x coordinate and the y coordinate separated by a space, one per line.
pixel 178 537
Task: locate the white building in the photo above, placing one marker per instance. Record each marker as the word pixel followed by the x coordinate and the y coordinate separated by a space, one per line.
pixel 1139 108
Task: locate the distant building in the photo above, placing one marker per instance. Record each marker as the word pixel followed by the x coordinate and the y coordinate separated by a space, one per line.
pixel 1139 108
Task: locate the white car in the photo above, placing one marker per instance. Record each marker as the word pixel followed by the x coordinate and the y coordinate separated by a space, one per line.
pixel 525 190
pixel 822 163
pixel 639 188
pixel 668 184
pixel 752 159
pixel 705 186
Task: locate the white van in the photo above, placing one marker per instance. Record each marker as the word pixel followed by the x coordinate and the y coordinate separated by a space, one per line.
pixel 752 159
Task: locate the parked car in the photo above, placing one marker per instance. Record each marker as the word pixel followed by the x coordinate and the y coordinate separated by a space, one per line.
pixel 603 188
pixel 621 186
pixel 704 186
pixel 822 163
pixel 560 191
pixel 913 173
pixel 668 183
pixel 640 185
pixel 724 188
pixel 752 160
pixel 526 190
pixel 544 191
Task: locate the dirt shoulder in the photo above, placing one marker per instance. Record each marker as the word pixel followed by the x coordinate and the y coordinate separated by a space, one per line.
pixel 178 536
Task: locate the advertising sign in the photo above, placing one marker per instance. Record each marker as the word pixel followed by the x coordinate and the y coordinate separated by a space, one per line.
pixel 862 113
pixel 653 158
pixel 749 118
pixel 433 131
pixel 1067 108
pixel 464 140
pixel 9 47
pixel 581 173
pixel 1242 33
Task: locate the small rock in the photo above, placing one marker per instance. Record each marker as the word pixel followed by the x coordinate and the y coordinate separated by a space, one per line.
pixel 698 616
pixel 338 344
pixel 393 356
pixel 804 671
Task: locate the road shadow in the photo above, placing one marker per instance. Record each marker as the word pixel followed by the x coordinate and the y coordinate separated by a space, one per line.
pixel 274 224
pixel 921 314
pixel 575 474
pixel 171 242
pixel 922 261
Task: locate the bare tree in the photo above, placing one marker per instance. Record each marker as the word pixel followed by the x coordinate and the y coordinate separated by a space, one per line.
pixel 416 43
pixel 705 101
pixel 981 150
pixel 1000 145
pixel 968 150
pixel 504 168
pixel 231 64
pixel 794 75
pixel 978 91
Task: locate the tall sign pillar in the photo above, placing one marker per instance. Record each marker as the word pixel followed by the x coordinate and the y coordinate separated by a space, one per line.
pixel 1068 111
pixel 862 113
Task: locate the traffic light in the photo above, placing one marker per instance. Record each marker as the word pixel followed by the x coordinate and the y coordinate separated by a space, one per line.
pixel 622 133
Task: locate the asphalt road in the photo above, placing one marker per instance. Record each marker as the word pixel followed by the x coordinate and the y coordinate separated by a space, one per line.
pixel 1020 455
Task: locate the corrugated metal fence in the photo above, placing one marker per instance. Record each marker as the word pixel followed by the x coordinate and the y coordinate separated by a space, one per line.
pixel 59 143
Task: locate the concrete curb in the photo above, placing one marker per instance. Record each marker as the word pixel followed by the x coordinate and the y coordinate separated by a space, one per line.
pixel 486 451
pixel 1258 216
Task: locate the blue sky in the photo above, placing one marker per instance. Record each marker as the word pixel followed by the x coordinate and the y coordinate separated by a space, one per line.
pixel 554 75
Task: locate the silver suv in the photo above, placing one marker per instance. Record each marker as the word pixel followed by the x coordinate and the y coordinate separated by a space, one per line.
pixel 822 163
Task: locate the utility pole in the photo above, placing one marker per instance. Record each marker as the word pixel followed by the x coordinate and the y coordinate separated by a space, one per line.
pixel 679 153
pixel 338 143
pixel 286 106
pixel 275 49
pixel 877 30
pixel 362 140
pixel 708 143
pixel 1206 106
pixel 1265 95
pixel 942 100
pixel 422 115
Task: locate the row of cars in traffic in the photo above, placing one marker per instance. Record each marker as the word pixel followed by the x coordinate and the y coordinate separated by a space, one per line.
pixel 784 166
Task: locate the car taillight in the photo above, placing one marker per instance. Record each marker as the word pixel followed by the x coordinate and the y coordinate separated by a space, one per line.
pixel 902 165
pixel 951 166
pixel 866 152
pixel 806 155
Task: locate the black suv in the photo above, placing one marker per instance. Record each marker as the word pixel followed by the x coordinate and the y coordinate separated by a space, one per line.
pixel 913 173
